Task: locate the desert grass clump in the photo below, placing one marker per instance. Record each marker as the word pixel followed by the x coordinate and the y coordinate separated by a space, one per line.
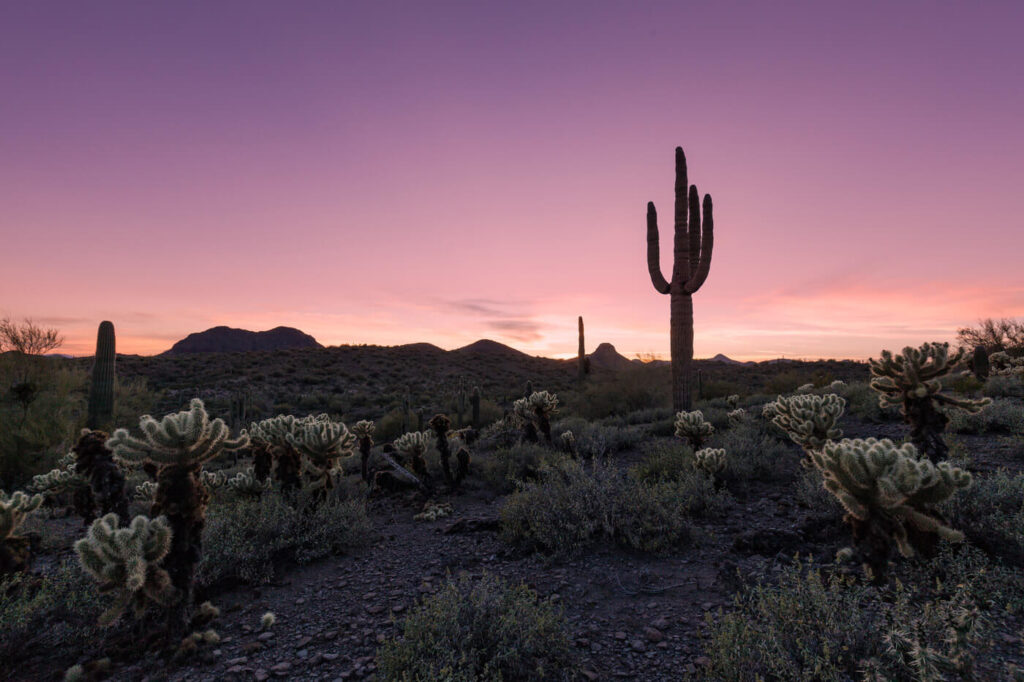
pixel 179 445
pixel 692 427
pixel 15 550
pixel 126 563
pixel 485 629
pixel 889 496
pixel 912 381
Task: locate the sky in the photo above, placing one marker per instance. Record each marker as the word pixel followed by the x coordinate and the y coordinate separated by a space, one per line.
pixel 398 172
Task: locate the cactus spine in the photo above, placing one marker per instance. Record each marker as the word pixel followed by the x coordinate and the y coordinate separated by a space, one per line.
pixel 101 390
pixel 692 260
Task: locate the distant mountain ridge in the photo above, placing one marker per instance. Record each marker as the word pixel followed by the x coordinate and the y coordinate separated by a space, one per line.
pixel 231 340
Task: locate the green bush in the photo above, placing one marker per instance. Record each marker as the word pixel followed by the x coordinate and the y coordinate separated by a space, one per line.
pixel 1004 415
pixel 55 612
pixel 991 510
pixel 663 460
pixel 754 454
pixel 245 539
pixel 472 631
pixel 862 401
pixel 503 467
pixel 1004 387
pixel 811 627
pixel 576 505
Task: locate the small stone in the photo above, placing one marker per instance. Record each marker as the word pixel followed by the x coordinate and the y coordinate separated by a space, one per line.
pixel 251 647
pixel 702 661
pixel 261 675
pixel 300 601
pixel 660 623
pixel 583 642
pixel 304 642
pixel 241 660
pixel 621 636
pixel 653 634
pixel 264 636
pixel 330 657
pixel 638 645
pixel 589 674
pixel 281 668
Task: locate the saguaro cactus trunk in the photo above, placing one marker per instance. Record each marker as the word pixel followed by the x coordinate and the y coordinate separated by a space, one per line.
pixel 581 356
pixel 101 390
pixel 692 260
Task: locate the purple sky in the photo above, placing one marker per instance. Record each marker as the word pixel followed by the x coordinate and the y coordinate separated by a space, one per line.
pixel 423 171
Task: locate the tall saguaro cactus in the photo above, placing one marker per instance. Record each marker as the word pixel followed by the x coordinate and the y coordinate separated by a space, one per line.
pixel 692 260
pixel 581 356
pixel 101 391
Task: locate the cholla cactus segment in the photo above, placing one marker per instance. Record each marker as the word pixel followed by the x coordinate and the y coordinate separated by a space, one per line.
pixel 363 429
pixel 737 416
pixel 521 412
pixel 267 620
pixel 568 439
pixel 185 438
pixel 769 411
pixel 413 444
pixel 14 509
pixel 245 483
pixel 915 373
pixel 432 511
pixel 145 491
pixel 710 460
pixel 322 441
pixel 876 479
pixel 57 481
pixel 810 420
pixel 125 561
pixel 803 389
pixel 213 479
pixel 733 401
pixel 837 384
pixel 543 404
pixel 1002 364
pixel 691 425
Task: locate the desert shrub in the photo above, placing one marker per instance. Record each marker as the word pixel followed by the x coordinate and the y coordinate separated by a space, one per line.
pixel 54 612
pixel 598 440
pixel 754 454
pixel 520 462
pixel 1004 387
pixel 619 393
pixel 245 539
pixel 717 416
pixel 991 512
pixel 479 630
pixel 966 384
pixel 787 381
pixel 651 415
pixel 389 427
pixel 862 401
pixel 663 461
pixel 813 627
pixel 1004 415
pixel 576 505
pixel 502 433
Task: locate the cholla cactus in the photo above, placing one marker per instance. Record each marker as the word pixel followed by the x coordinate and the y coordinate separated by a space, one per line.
pixel 94 461
pixel 691 425
pixel 1001 364
pixel 433 511
pixel 414 445
pixel 146 492
pixel 322 442
pixel 14 549
pixel 911 380
pixel 810 420
pixel 125 561
pixel 886 491
pixel 737 416
pixel 733 401
pixel 58 481
pixel 837 384
pixel 271 437
pixel 246 484
pixel 804 388
pixel 710 460
pixel 180 444
pixel 769 411
pixel 213 479
pixel 568 439
pixel 186 439
pixel 363 431
pixel 543 405
pixel 524 418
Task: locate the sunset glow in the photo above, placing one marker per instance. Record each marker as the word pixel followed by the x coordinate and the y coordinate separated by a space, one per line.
pixel 400 172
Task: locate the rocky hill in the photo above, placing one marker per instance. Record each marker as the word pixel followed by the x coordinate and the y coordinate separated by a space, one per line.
pixel 230 340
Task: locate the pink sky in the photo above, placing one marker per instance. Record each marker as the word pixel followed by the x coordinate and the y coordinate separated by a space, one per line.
pixel 388 173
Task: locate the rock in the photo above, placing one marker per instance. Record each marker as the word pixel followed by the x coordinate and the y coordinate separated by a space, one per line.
pixel 264 636
pixel 282 668
pixel 621 636
pixel 661 623
pixel 261 675
pixel 653 634
pixel 638 645
pixel 304 642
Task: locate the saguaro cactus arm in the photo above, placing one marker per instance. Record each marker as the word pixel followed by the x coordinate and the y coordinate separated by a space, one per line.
pixel 661 285
pixel 702 266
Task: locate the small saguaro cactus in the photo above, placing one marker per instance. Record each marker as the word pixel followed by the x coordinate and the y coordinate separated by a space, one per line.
pixel 979 363
pixel 126 562
pixel 581 356
pixel 101 389
pixel 710 460
pixel 179 445
pixel 414 445
pixel 524 417
pixel 363 431
pixel 440 425
pixel 889 496
pixel 810 420
pixel 15 550
pixel 568 439
pixel 543 405
pixel 692 427
pixel 911 380
pixel 691 263
pixel 474 403
pixel 322 442
pixel 94 461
